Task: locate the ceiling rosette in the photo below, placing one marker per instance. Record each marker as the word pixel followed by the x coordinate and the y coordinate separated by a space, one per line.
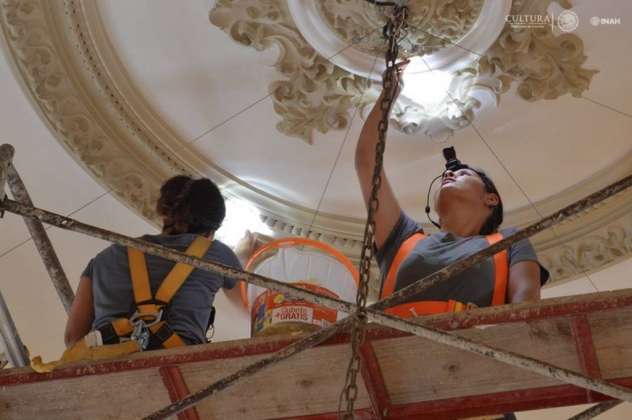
pixel 330 58
pixel 74 75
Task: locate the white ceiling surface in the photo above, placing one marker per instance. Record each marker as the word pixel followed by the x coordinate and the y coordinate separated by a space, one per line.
pixel 195 77
pixel 57 183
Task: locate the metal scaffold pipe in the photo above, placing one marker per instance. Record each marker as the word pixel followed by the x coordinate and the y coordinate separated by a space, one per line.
pixel 596 410
pixel 373 314
pixel 6 154
pixel 42 241
pixel 16 352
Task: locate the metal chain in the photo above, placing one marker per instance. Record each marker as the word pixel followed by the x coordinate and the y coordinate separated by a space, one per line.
pixel 393 30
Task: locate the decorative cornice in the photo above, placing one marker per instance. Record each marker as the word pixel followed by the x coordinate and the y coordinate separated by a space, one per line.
pixel 76 83
pixel 74 110
pixel 600 248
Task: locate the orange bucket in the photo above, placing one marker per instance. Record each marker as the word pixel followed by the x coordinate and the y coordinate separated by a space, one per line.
pixel 305 263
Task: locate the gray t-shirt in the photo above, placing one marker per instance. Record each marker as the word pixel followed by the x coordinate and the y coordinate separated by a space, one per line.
pixel 474 285
pixel 188 312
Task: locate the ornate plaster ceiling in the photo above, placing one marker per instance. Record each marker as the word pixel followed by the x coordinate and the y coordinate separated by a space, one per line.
pixel 138 91
pixel 469 41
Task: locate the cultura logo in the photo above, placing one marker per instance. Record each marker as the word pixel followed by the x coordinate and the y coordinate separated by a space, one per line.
pixel 567 21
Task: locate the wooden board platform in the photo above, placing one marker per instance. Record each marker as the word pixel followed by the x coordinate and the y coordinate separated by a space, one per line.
pixel 404 376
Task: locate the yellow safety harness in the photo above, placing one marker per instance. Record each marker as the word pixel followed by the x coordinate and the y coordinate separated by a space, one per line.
pixel 146 325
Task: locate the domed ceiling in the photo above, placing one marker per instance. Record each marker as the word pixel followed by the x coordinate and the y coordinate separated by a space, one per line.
pixel 267 97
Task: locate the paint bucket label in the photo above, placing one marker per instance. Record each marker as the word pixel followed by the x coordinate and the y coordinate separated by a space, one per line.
pixel 274 312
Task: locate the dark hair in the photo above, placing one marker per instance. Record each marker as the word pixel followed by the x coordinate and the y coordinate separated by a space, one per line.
pixel 495 219
pixel 191 205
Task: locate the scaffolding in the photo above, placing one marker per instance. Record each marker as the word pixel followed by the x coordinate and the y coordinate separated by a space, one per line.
pixel 565 320
pixel 435 329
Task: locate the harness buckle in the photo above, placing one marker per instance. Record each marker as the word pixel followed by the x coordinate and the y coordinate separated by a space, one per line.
pixel 154 318
pixel 140 334
pixel 141 325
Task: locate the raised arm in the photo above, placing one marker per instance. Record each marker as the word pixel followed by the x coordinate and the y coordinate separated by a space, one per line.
pixel 389 210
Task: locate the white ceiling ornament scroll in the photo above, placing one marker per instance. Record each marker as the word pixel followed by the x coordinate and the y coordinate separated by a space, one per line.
pixel 79 89
pixel 316 94
pixel 351 18
pixel 328 52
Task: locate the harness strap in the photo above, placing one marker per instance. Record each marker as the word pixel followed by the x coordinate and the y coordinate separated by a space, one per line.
pixel 501 268
pixel 180 272
pixel 122 326
pixel 411 309
pixel 161 335
pixel 404 250
pixel 139 275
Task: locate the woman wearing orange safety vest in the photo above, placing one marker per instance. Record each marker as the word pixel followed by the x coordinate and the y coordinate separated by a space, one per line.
pixel 470 213
pixel 124 294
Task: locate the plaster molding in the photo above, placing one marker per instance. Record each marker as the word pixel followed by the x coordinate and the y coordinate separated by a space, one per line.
pixel 69 71
pixel 602 247
pixel 314 94
pixel 328 49
pixel 349 20
pixel 68 107
pixel 67 68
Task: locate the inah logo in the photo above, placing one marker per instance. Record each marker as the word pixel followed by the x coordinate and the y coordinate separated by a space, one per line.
pixel 597 20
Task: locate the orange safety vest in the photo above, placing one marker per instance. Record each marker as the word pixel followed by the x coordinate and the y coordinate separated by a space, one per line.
pixel 412 309
pixel 150 309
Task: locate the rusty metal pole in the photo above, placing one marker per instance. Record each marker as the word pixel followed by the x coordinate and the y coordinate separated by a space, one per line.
pixel 41 241
pixel 508 357
pixel 6 154
pixel 452 340
pixel 435 335
pixel 150 248
pixel 595 410
pixel 283 354
pixel 545 223
pixel 16 352
pixel 373 312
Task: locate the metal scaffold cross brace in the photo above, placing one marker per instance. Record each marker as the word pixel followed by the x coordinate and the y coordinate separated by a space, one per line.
pixel 373 312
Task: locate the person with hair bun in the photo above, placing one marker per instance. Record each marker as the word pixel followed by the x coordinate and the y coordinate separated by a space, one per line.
pixel 122 288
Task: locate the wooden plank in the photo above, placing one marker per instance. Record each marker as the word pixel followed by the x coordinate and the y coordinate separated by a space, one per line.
pixel 416 369
pixel 308 384
pixel 419 375
pixel 612 335
pixel 500 402
pixel 122 395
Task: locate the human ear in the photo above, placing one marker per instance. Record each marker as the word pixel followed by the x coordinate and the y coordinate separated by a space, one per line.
pixel 491 200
